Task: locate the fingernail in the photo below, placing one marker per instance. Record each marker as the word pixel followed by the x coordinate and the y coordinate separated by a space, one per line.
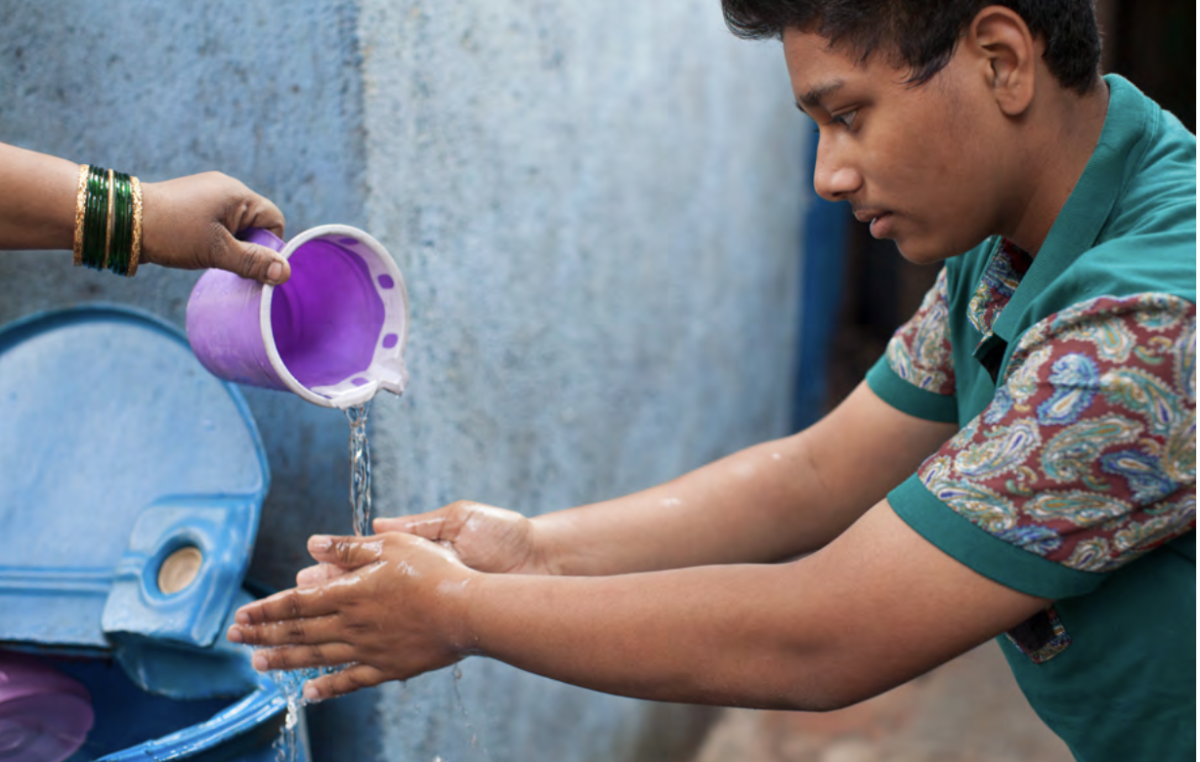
pixel 320 542
pixel 259 661
pixel 275 272
pixel 234 635
pixel 241 617
pixel 310 692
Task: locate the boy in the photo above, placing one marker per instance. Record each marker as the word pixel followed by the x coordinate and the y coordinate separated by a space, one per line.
pixel 1020 463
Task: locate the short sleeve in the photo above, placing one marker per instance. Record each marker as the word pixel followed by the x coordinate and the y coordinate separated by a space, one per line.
pixel 916 373
pixel 1084 460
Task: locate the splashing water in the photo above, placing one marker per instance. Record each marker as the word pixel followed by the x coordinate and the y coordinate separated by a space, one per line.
pixel 360 469
pixel 291 685
pixel 462 709
pixel 291 682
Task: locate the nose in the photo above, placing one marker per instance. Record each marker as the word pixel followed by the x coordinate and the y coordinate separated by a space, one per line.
pixel 834 179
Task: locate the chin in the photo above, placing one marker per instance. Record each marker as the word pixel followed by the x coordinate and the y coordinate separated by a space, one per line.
pixel 922 252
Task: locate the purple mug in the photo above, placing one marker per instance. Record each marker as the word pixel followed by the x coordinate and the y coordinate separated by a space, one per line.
pixel 334 333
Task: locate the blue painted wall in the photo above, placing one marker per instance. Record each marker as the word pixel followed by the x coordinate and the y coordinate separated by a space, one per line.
pixel 598 210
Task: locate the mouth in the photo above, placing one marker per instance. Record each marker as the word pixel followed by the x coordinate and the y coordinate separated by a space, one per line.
pixel 880 221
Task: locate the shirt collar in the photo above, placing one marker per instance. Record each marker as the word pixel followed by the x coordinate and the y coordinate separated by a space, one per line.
pixel 1090 204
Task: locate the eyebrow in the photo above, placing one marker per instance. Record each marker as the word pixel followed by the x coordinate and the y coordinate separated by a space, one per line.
pixel 816 95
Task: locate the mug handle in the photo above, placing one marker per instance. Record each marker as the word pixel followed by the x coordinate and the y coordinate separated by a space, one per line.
pixel 262 237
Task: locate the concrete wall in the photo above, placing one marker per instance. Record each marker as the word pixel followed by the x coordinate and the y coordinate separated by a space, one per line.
pixel 596 208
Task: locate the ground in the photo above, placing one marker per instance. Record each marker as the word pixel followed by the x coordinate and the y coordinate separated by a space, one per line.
pixel 969 710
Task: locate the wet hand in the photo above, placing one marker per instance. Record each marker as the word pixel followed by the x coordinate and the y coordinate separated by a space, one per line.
pixel 397 610
pixel 483 537
pixel 190 223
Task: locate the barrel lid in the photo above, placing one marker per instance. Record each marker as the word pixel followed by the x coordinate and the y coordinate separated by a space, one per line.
pixel 131 483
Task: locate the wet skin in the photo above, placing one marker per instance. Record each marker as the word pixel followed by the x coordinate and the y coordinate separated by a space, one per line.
pixel 684 592
pixel 629 596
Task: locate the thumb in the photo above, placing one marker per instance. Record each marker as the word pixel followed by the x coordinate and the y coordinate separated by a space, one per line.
pixel 431 526
pixel 253 261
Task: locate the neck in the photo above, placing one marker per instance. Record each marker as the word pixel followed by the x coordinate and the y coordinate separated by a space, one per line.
pixel 1072 125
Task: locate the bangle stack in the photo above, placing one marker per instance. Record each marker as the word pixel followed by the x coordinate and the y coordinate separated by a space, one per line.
pixel 108 220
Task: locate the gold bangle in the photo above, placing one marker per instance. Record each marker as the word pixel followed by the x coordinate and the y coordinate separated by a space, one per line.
pixel 136 250
pixel 80 209
pixel 108 231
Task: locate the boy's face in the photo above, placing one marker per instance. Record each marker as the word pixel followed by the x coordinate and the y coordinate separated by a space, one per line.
pixel 925 165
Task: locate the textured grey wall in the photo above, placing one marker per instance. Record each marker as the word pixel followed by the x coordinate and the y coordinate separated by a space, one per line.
pixel 596 208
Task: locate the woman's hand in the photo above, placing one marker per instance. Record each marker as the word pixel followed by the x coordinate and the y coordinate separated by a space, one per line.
pixel 190 223
pixel 398 610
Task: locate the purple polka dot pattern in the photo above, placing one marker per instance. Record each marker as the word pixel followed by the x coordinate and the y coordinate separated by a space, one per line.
pixel 390 340
pixel 359 381
pixel 385 281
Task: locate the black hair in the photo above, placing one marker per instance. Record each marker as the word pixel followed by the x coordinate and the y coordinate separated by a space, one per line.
pixel 924 33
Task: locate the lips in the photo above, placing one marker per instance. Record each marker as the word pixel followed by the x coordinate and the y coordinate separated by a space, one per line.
pixel 879 219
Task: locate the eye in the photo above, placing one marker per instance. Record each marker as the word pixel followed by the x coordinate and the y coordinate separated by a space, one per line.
pixel 846 119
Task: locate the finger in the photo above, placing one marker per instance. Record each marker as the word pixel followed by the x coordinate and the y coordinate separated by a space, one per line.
pixel 318 573
pixel 262 213
pixel 290 632
pixel 442 525
pixel 251 260
pixel 296 603
pixel 340 683
pixel 302 657
pixel 346 552
pixel 431 526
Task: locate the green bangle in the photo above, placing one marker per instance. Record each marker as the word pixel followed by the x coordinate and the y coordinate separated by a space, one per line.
pixel 122 225
pixel 89 220
pixel 95 218
pixel 99 248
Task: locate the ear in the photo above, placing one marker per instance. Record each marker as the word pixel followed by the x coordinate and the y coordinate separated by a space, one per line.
pixel 1009 55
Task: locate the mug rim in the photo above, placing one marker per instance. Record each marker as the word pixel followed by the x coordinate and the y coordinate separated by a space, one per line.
pixel 366 391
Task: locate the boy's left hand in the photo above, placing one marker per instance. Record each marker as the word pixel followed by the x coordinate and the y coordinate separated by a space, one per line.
pixel 398 611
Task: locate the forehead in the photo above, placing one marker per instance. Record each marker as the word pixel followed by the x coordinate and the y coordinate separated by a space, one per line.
pixel 816 67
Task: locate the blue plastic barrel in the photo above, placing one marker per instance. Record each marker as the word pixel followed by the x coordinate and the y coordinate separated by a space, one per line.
pixel 131 486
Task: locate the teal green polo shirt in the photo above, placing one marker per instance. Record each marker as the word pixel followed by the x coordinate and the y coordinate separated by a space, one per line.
pixel 1072 377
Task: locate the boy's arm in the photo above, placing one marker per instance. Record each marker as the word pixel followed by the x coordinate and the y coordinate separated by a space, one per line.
pixel 875 608
pixel 769 502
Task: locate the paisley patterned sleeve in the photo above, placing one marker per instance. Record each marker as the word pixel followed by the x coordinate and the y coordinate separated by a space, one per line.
pixel 1086 456
pixel 919 351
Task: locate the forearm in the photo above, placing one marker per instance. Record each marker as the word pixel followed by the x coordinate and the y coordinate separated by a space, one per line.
pixel 761 504
pixel 37 205
pixel 873 609
pixel 706 635
pixel 767 503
